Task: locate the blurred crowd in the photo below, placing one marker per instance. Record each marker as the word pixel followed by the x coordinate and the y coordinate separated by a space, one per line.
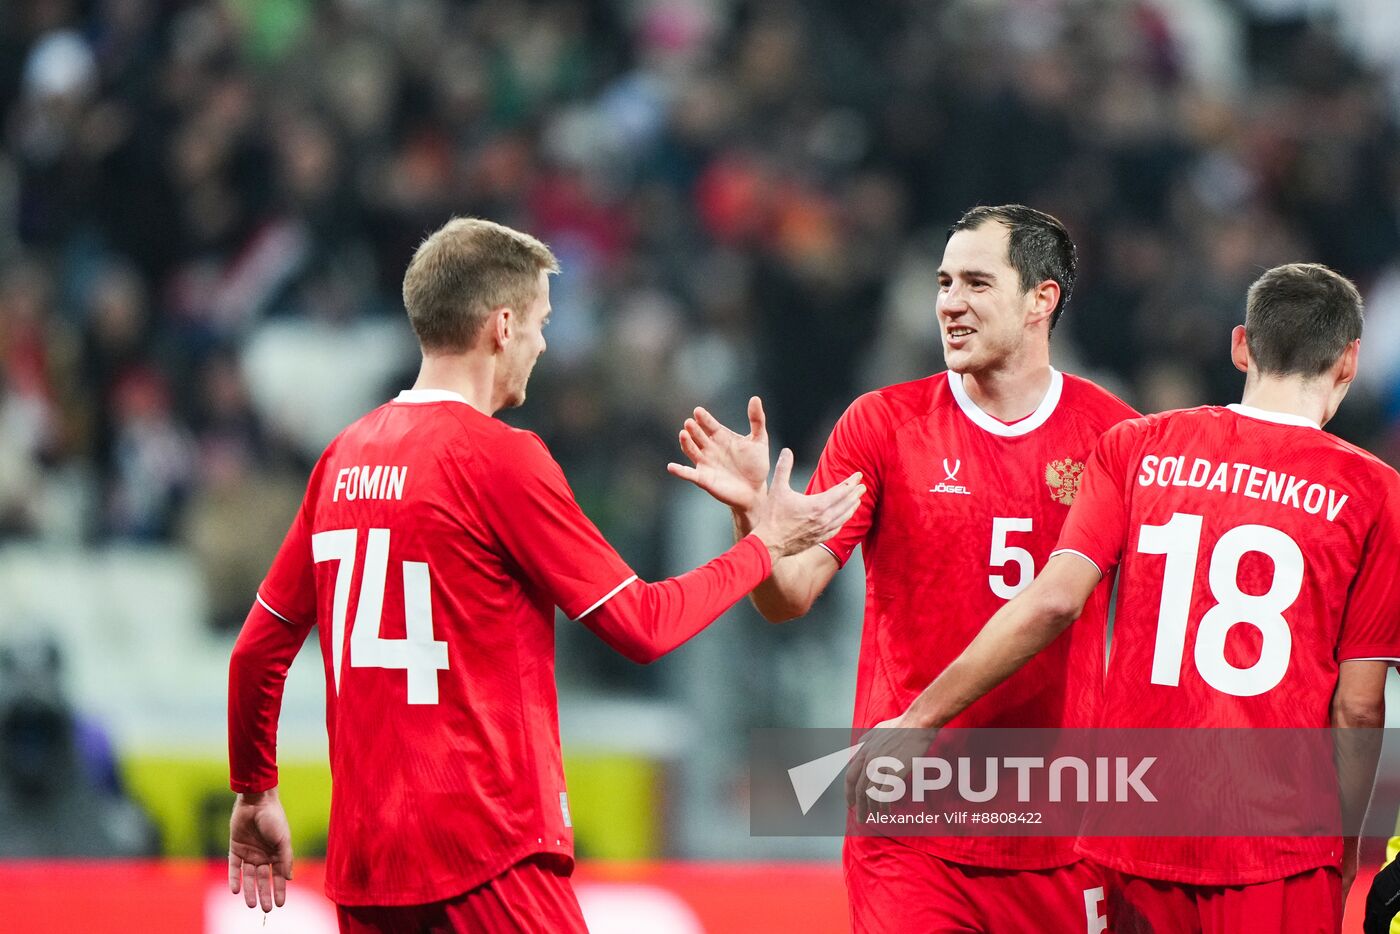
pixel 206 208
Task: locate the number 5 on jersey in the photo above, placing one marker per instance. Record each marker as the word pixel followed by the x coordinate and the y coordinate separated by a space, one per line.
pixel 418 653
pixel 1004 553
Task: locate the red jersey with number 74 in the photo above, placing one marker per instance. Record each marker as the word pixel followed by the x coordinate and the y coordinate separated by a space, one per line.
pixel 1255 553
pixel 440 540
pixel 960 512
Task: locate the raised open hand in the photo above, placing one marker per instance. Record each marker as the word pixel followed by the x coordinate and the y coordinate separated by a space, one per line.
pixel 790 522
pixel 731 467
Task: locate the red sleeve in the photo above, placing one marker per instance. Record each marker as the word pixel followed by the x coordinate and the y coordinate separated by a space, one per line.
pixel 645 621
pixel 256 674
pixel 532 512
pixel 276 627
pixel 1097 524
pixel 289 589
pixel 1371 622
pixel 856 443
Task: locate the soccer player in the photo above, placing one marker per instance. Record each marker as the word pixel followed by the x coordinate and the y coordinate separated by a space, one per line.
pixel 431 549
pixel 1257 587
pixel 970 475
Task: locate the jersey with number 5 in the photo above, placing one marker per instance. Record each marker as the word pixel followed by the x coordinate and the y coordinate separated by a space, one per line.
pixel 431 549
pixel 1255 553
pixel 960 512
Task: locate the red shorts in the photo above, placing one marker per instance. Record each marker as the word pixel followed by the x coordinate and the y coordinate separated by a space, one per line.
pixel 533 895
pixel 1308 903
pixel 895 888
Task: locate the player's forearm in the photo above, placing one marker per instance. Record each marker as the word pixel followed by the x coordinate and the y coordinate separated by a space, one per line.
pixel 785 595
pixel 257 673
pixel 1012 637
pixel 744 523
pixel 790 588
pixel 646 620
pixel 1358 719
pixel 1356 753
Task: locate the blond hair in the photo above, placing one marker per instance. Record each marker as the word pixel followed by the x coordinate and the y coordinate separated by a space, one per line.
pixel 462 271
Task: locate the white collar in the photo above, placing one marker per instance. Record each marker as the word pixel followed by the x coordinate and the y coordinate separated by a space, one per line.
pixel 997 427
pixel 1264 415
pixel 429 395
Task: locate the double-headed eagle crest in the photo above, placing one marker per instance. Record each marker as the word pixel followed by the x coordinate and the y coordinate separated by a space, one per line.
pixel 1062 477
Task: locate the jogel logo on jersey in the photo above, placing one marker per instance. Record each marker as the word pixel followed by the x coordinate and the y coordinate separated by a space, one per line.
pixel 950 482
pixel 1063 479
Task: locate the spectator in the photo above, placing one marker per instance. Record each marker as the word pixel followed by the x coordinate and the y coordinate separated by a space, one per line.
pixel 212 206
pixel 59 795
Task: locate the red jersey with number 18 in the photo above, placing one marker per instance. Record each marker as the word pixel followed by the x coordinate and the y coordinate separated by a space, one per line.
pixel 440 540
pixel 960 512
pixel 1255 553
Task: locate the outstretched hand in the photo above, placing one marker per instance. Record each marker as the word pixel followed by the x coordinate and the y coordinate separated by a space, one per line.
pixel 259 850
pixel 731 467
pixel 791 522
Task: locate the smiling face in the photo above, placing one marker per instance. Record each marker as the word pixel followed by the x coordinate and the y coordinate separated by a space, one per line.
pixel 525 345
pixel 983 312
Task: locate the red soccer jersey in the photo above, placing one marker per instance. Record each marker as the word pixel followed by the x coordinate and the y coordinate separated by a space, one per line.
pixel 441 540
pixel 960 511
pixel 1255 553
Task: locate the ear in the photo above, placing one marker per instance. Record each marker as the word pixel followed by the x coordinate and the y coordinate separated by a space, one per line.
pixel 1044 298
pixel 503 326
pixel 1239 349
pixel 1346 364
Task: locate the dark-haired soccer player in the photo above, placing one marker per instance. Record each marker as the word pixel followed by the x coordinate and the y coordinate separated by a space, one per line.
pixel 431 549
pixel 970 475
pixel 1257 587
